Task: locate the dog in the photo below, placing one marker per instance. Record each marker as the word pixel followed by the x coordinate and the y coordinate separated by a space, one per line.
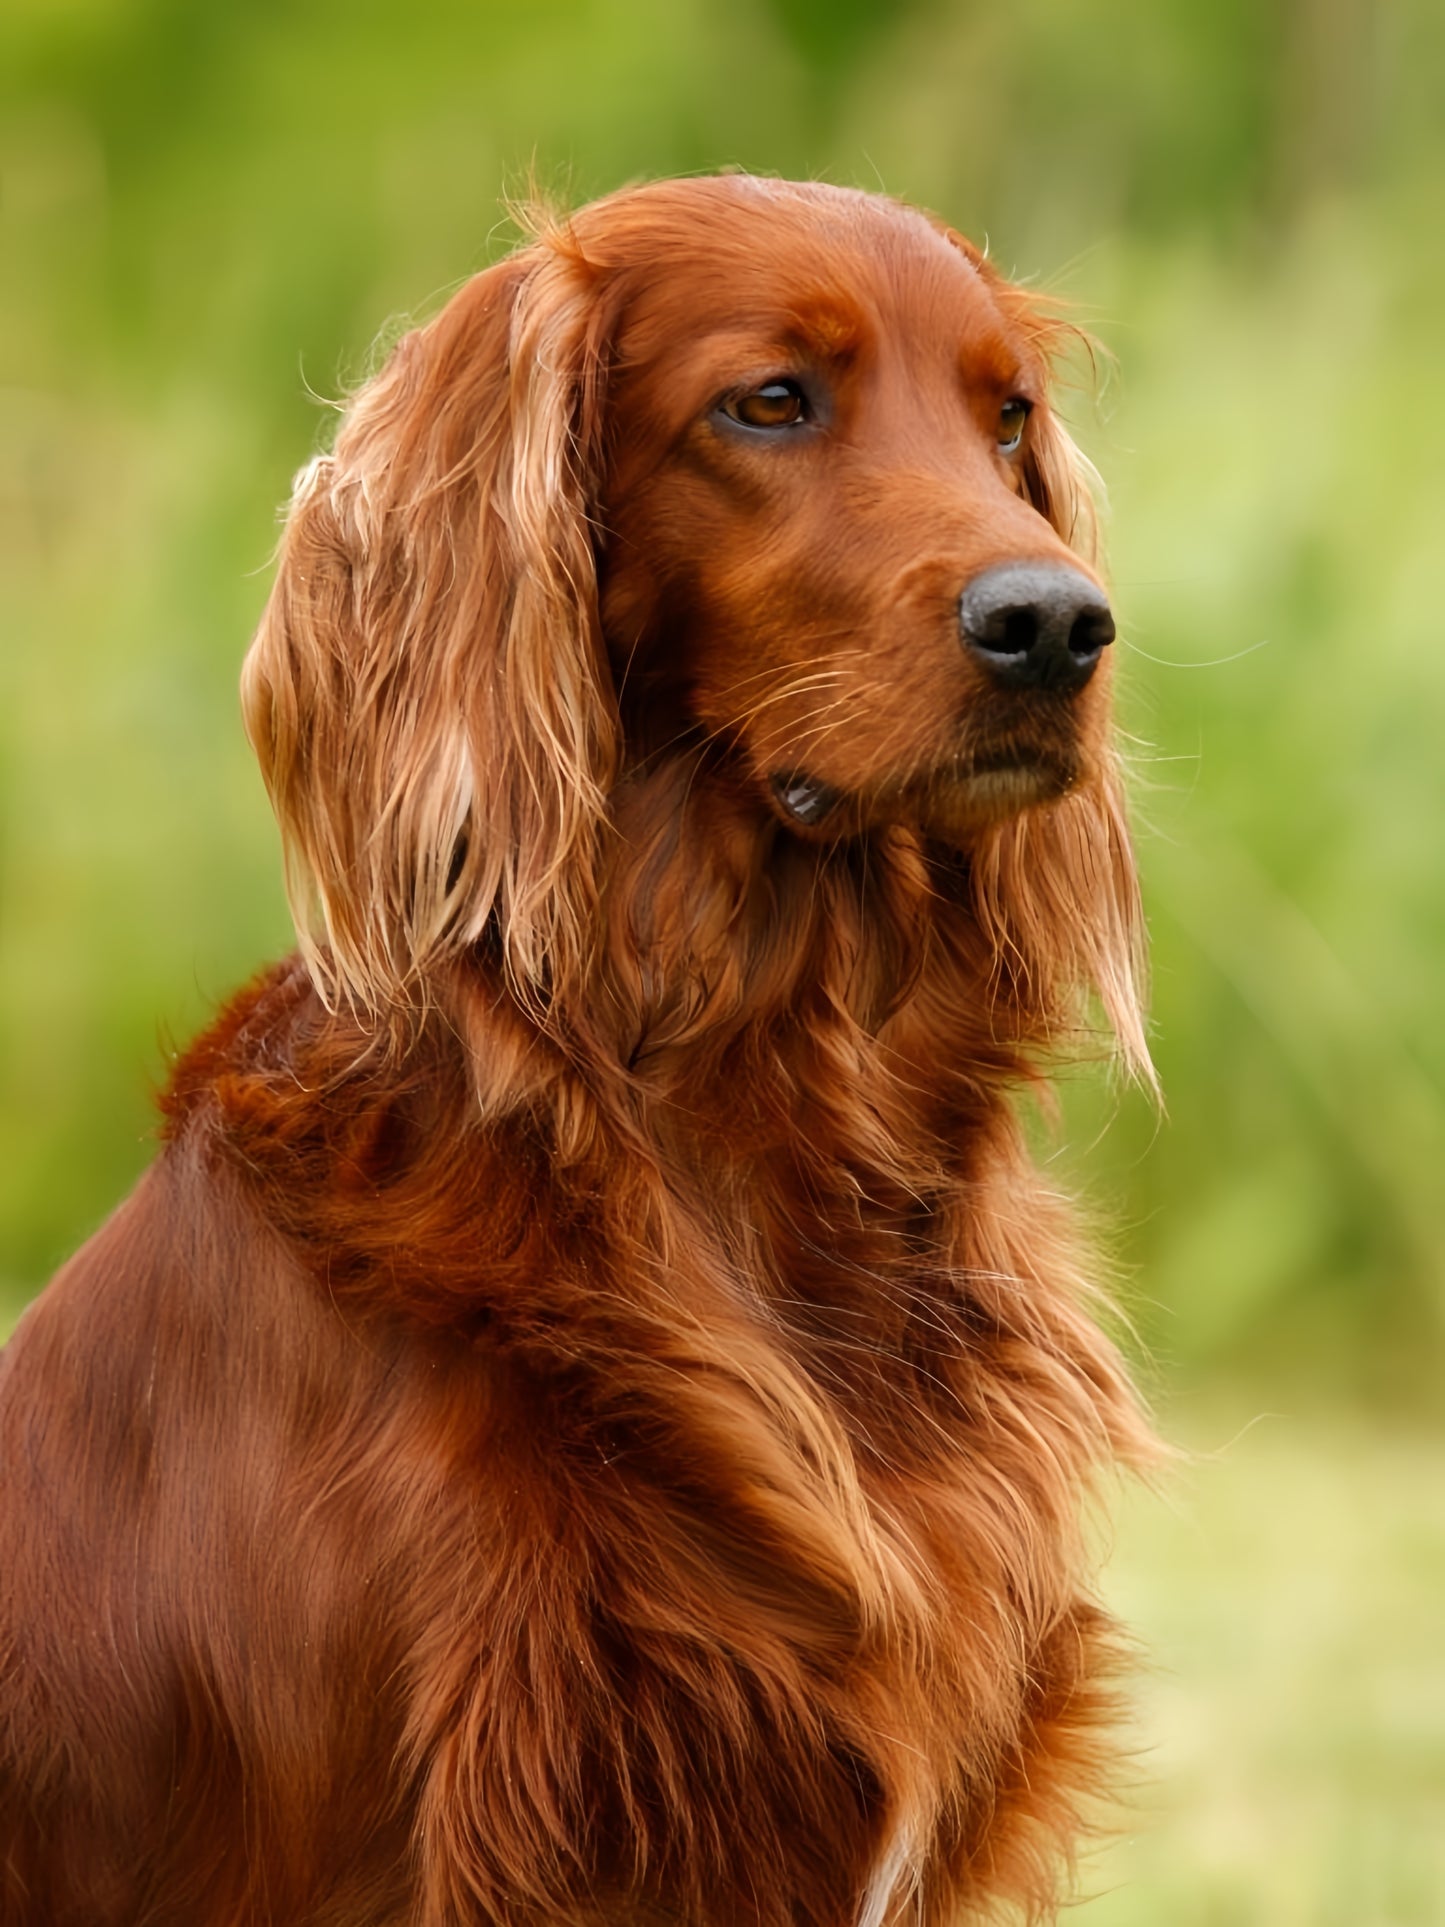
pixel 587 1419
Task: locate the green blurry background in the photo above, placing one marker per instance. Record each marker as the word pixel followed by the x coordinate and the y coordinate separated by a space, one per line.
pixel 209 211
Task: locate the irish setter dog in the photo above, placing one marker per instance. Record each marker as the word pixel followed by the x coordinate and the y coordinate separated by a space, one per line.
pixel 587 1420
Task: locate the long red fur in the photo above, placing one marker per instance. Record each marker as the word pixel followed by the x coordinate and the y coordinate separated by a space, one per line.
pixel 588 1417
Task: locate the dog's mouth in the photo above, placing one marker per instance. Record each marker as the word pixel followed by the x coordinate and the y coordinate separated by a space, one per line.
pixel 1005 782
pixel 984 789
pixel 804 799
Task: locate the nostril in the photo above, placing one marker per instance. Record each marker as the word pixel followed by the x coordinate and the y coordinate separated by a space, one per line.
pixel 1092 631
pixel 1020 632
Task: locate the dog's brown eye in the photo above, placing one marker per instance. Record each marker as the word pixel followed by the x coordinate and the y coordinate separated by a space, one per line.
pixel 1011 419
pixel 777 404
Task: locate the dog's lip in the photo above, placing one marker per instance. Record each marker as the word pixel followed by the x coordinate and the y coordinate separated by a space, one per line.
pixel 994 762
pixel 1022 761
pixel 1008 785
pixel 988 786
pixel 805 799
pixel 996 782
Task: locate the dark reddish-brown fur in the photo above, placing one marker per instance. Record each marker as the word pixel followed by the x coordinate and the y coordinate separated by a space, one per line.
pixel 587 1419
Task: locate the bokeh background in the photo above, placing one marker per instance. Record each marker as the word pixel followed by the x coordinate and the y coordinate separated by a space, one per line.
pixel 210 211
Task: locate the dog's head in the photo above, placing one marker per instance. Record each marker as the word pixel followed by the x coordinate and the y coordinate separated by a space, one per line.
pixel 752 473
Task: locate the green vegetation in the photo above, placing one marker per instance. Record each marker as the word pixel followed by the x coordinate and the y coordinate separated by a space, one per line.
pixel 209 212
pixel 1290 1769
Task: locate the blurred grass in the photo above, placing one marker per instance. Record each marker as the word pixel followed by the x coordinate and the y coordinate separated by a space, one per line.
pixel 1291 1762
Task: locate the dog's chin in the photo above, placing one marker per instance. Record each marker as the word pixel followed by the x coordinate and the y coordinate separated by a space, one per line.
pixel 997 791
pixel 957 808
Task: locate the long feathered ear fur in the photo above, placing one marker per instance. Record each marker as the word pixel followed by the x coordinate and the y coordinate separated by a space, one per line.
pixel 1055 890
pixel 427 692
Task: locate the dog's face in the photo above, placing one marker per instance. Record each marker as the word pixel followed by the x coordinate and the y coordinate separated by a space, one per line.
pixel 823 538
pixel 749 485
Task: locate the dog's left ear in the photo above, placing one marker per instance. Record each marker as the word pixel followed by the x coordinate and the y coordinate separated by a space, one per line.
pixel 1055 888
pixel 428 693
pixel 1063 484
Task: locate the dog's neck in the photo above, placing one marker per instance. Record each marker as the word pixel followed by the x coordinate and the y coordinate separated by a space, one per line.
pixel 740 965
pixel 804 1052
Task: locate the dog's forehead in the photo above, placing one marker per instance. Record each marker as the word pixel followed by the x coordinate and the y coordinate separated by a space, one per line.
pixel 826 276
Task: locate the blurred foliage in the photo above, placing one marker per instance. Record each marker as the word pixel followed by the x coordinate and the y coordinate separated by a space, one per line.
pixel 208 213
pixel 1289 1768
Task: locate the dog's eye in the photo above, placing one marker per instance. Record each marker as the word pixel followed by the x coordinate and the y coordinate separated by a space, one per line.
pixel 777 404
pixel 1011 419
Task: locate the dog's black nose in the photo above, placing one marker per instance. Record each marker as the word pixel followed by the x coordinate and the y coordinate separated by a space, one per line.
pixel 1036 625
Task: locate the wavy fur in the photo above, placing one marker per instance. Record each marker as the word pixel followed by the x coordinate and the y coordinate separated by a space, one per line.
pixel 589 1417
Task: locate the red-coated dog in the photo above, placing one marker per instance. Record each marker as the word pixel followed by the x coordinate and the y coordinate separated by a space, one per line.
pixel 586 1421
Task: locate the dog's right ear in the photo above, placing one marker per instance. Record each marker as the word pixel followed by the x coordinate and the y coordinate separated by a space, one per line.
pixel 427 692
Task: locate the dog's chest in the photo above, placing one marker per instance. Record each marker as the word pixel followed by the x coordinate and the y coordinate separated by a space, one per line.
pixel 712 1637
